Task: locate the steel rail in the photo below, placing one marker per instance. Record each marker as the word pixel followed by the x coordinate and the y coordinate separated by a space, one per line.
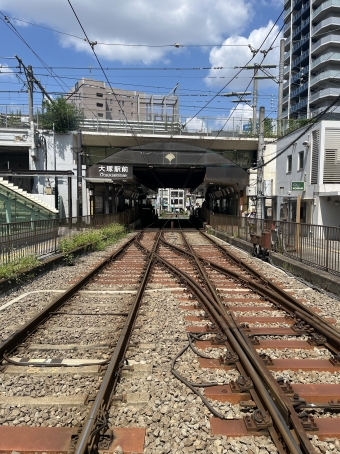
pixel 87 442
pixel 274 295
pixel 312 319
pixel 286 408
pixel 218 314
pixel 18 336
pixel 271 285
pixel 233 325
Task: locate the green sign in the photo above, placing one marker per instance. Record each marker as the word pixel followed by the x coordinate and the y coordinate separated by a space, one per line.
pixel 298 185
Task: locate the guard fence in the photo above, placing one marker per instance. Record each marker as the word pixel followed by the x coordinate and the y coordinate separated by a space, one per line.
pixel 42 238
pixel 315 245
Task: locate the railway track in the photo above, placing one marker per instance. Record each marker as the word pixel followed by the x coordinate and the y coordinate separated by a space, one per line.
pixel 171 344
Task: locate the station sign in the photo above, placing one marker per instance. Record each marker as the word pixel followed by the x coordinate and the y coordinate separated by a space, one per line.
pixel 111 171
pixel 298 185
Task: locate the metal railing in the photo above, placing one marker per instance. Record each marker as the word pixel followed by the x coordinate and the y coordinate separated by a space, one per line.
pixel 315 245
pixel 42 238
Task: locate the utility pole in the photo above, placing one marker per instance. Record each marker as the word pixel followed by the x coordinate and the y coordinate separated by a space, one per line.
pixel 256 68
pixel 79 177
pixel 29 76
pixel 31 79
pixel 56 189
pixel 259 195
pixel 281 74
pixel 255 97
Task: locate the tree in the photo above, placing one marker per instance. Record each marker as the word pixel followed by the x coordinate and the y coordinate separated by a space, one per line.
pixel 65 117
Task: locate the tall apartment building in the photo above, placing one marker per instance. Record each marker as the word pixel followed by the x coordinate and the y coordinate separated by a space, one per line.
pixel 312 56
pixel 97 100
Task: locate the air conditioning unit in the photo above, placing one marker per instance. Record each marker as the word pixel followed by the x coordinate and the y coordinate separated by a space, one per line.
pixel 251 191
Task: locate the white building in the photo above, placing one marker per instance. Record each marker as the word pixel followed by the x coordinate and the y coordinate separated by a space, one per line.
pixel 310 167
pixel 170 199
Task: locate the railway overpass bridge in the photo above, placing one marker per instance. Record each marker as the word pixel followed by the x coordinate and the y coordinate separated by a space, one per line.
pixel 133 162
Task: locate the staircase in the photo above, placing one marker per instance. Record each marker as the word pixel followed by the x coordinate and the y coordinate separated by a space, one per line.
pixel 17 205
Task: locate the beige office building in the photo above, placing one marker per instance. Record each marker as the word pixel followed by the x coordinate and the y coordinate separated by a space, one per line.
pixel 98 101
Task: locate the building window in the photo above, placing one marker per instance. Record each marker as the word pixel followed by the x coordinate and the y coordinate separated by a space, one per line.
pixel 131 114
pixel 122 103
pixel 99 104
pixel 100 95
pixel 132 104
pixel 289 163
pixel 100 115
pixel 300 160
pixel 110 101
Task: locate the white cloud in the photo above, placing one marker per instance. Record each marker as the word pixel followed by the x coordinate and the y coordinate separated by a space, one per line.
pixel 135 22
pixel 5 71
pixel 229 57
pixel 237 118
pixel 195 125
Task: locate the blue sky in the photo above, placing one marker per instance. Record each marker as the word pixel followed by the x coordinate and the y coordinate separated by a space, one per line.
pixel 210 34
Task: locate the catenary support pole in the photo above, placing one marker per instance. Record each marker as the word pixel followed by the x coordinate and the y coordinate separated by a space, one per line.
pixel 280 101
pixel 79 177
pixel 255 89
pixel 259 199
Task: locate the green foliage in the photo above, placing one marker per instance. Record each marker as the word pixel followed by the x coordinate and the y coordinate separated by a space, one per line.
pixel 99 238
pixel 13 269
pixel 65 117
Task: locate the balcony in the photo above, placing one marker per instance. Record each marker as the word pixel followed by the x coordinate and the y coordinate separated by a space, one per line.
pixel 302 10
pixel 301 73
pixel 286 84
pixel 302 57
pixel 286 3
pixel 300 43
pixel 326 58
pixel 331 74
pixel 286 57
pixel 295 2
pixel 321 10
pixel 326 25
pixel 287 42
pixel 325 41
pixel 287 13
pixel 285 99
pixel 286 28
pixel 326 93
pixel 316 112
pixel 299 90
pixel 298 106
pixel 299 29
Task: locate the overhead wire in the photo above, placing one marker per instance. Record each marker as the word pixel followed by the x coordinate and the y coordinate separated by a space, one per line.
pixel 6 21
pixel 113 92
pixel 254 54
pixel 176 45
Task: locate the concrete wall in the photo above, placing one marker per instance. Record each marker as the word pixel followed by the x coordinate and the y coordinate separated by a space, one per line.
pixel 59 148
